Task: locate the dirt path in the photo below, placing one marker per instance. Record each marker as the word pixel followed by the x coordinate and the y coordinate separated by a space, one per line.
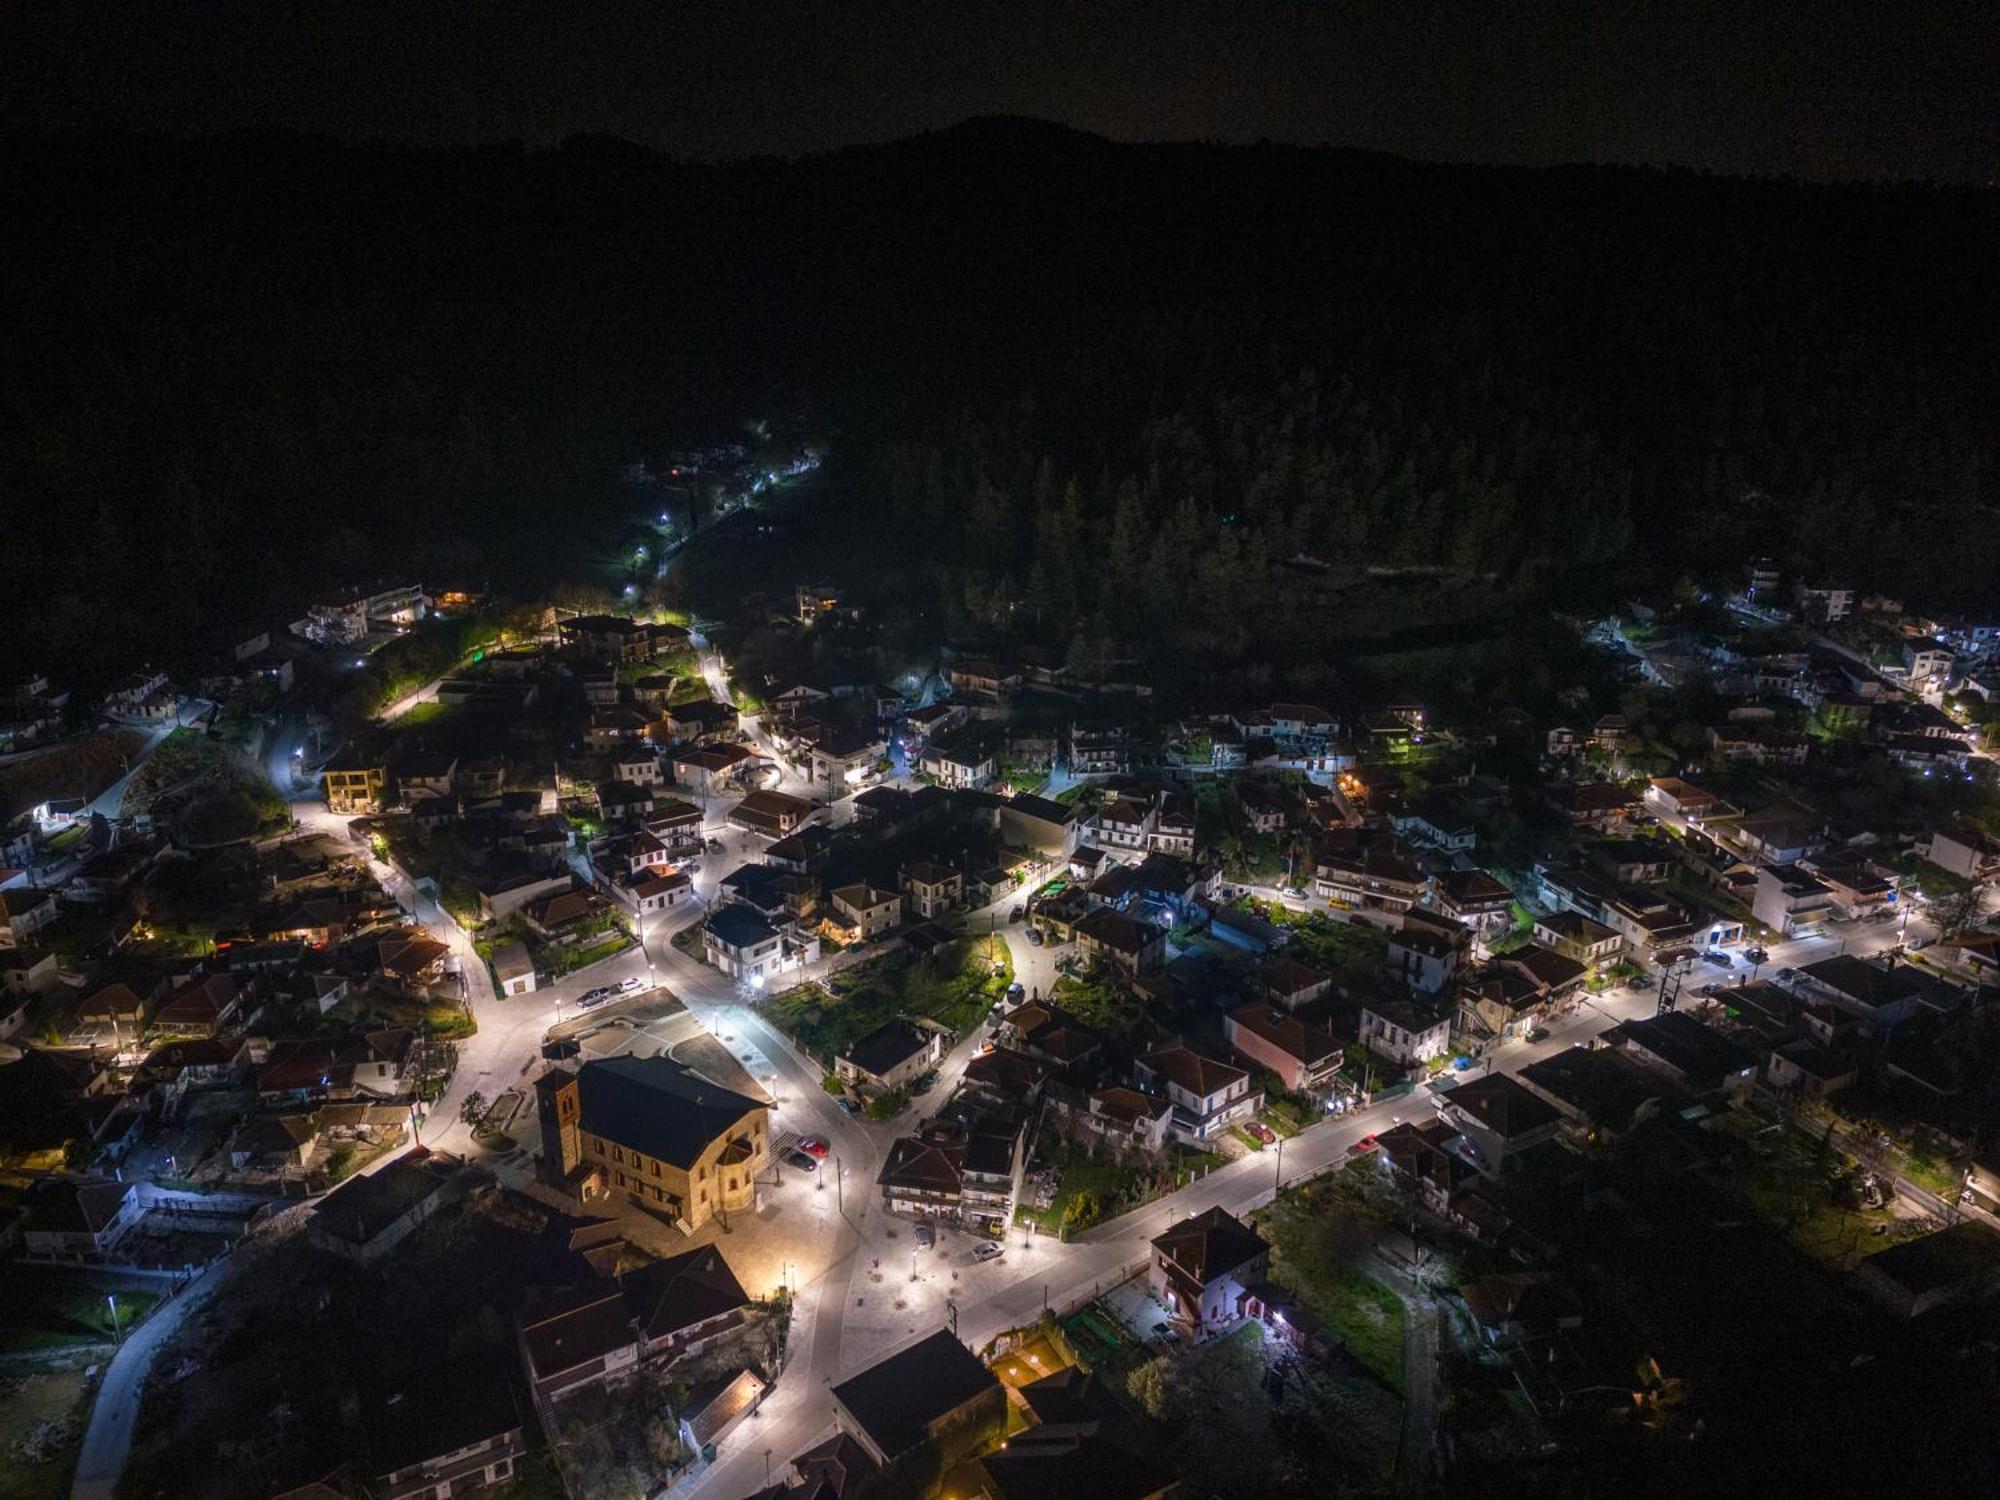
pixel 1417 1473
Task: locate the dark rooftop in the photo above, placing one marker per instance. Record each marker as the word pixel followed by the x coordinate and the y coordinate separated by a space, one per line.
pixel 895 1399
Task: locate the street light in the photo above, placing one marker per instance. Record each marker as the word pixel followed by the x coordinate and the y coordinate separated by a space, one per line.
pixel 112 1299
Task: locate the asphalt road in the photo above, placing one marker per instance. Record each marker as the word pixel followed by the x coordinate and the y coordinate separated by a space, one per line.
pixel 108 1438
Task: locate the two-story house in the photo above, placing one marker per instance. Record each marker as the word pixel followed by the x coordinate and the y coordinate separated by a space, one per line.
pixel 1208 1096
pixel 1202 1268
pixel 1303 1056
pixel 1404 1031
pixel 930 889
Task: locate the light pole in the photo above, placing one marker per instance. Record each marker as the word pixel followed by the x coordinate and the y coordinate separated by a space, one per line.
pixel 111 1298
pixel 1278 1177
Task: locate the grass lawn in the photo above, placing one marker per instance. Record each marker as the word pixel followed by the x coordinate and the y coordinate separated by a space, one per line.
pixel 1321 1236
pixel 1118 1187
pixel 954 987
pixel 1109 1182
pixel 49 1309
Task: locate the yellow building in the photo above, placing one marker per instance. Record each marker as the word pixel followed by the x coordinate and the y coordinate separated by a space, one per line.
pixel 655 1132
pixel 354 786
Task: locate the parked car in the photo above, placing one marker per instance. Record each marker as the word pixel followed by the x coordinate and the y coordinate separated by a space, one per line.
pixel 715 846
pixel 989 1250
pixel 814 1145
pixel 591 998
pixel 1639 982
pixel 1757 955
pixel 1720 960
pixel 926 1236
pixel 1538 1034
pixel 1034 937
pixel 1017 913
pixel 1262 1131
pixel 1017 992
pixel 802 1161
pixel 926 1083
pixel 1786 976
pixel 847 1105
pixel 630 985
pixel 1363 1146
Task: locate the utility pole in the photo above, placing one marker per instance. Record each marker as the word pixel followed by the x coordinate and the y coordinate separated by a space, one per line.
pixel 1278 1178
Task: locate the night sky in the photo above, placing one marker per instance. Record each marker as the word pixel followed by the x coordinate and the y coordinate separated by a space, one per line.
pixel 1878 88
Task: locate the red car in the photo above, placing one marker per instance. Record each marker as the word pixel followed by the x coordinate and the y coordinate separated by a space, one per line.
pixel 1365 1144
pixel 813 1145
pixel 1263 1133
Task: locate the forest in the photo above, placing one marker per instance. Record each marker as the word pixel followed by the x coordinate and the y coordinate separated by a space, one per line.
pixel 1159 403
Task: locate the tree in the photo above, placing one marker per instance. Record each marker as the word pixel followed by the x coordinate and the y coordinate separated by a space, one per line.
pixel 1956 912
pixel 473 1110
pixel 1155 1387
pixel 1084 1209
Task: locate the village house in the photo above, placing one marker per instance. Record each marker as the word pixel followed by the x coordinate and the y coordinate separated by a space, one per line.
pixel 1692 1055
pixel 576 1337
pixel 1116 940
pixel 25 911
pixel 368 1215
pixel 1499 1118
pixel 1202 1267
pixel 1966 853
pixel 1303 1056
pixel 1558 976
pixel 892 1056
pixel 413 963
pixel 1368 876
pixel 865 911
pixel 935 1393
pixel 923 1177
pixel 981 681
pixel 1579 939
pixel 353 784
pixel 1791 902
pixel 773 814
pixel 1101 750
pixel 739 940
pixel 1118 1113
pixel 680 1303
pixel 199 1007
pixel 931 890
pixel 1208 1096
pixel 1404 1031
pixel 80 1218
pixel 1423 957
pixel 1473 899
pixel 963 758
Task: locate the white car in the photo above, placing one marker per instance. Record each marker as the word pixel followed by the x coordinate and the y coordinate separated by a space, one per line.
pixel 987 1251
pixel 627 986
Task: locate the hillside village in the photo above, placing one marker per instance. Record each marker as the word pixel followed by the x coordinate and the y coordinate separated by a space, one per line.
pixel 544 975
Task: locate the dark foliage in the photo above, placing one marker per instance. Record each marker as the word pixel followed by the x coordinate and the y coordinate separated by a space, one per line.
pixel 1095 380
